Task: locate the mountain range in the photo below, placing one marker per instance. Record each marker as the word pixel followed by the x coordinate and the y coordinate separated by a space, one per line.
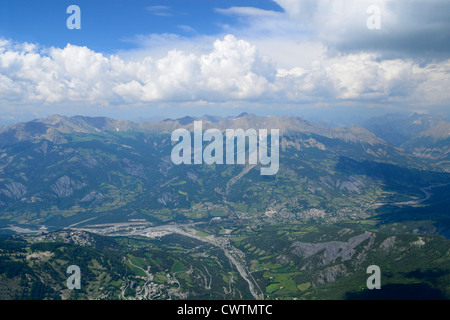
pixel 58 171
pixel 104 194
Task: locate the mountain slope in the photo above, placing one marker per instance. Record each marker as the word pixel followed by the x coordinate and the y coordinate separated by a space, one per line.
pixel 427 137
pixel 399 128
pixel 432 145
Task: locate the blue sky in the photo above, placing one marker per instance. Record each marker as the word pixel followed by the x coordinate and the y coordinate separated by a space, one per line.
pixel 107 24
pixel 170 58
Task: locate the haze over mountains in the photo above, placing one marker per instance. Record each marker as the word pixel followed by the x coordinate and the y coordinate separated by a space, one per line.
pixel 425 136
pixel 63 170
pixel 396 129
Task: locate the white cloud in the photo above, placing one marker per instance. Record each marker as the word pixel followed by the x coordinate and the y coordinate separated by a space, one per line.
pixel 162 11
pixel 231 70
pixel 249 11
pixel 409 28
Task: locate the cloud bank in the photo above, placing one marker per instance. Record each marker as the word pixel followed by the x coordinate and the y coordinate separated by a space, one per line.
pixel 409 28
pixel 318 52
pixel 233 69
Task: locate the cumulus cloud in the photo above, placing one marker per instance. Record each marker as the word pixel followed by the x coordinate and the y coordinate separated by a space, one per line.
pixel 409 28
pixel 316 52
pixel 231 70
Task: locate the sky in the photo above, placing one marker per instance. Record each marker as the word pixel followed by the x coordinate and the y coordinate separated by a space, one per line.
pixel 136 59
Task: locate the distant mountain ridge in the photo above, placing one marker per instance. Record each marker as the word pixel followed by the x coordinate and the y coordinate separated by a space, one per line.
pixel 425 136
pixel 51 126
pixel 398 128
